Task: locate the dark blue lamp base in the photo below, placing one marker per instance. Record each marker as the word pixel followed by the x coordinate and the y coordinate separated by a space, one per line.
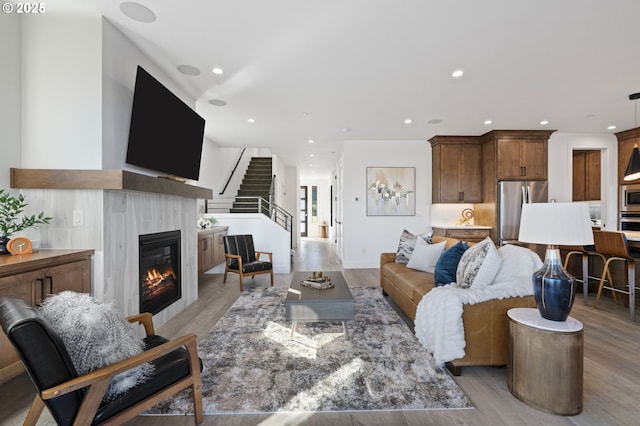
pixel 554 288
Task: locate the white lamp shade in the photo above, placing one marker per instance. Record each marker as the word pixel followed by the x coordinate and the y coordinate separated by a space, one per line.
pixel 556 224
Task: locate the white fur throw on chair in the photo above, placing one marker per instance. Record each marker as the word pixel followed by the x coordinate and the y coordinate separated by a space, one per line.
pixel 96 335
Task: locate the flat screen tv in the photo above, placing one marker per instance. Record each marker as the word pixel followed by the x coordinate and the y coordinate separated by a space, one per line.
pixel 165 134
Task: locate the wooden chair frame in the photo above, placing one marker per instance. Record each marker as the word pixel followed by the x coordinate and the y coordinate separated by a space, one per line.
pixel 228 257
pixel 613 245
pixel 584 254
pixel 97 382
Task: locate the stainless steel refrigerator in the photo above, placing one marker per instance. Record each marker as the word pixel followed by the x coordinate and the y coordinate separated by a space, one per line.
pixel 511 196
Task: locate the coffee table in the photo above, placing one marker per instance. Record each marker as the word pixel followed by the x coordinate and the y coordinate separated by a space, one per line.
pixel 306 304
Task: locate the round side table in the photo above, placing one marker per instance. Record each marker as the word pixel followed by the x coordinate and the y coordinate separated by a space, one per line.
pixel 545 361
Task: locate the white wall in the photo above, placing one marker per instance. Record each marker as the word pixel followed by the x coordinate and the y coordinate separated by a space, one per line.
pixel 10 101
pixel 365 237
pixel 561 147
pixel 62 91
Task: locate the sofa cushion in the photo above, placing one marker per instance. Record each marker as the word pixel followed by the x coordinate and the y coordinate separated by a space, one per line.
pixel 405 247
pixel 425 255
pixel 414 284
pixel 447 265
pixel 479 265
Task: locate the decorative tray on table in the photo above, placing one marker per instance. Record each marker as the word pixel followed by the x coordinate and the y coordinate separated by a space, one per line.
pixel 320 283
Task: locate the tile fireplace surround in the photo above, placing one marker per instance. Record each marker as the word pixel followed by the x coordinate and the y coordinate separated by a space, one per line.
pixel 117 207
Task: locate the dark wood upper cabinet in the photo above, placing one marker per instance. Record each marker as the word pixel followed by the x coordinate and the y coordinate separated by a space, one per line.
pixel 457 169
pixel 586 175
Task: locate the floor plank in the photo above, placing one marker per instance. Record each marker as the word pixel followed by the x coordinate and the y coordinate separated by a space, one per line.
pixel 611 375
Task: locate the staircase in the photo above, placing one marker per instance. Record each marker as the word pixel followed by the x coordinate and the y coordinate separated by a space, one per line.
pixel 256 183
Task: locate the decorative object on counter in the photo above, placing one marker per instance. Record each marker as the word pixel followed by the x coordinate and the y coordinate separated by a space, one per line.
pixel 12 220
pixel 206 222
pixel 390 191
pixel 633 168
pixel 466 218
pixel 555 224
pixel 19 245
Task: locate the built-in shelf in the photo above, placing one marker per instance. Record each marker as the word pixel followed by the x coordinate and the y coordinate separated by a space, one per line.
pixel 122 180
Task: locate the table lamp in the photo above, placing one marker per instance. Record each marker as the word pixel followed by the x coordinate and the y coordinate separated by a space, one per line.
pixel 555 224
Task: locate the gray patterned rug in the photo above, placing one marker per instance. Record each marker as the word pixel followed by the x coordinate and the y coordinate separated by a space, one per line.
pixel 251 365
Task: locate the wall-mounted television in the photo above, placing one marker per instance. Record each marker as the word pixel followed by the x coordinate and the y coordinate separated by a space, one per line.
pixel 165 134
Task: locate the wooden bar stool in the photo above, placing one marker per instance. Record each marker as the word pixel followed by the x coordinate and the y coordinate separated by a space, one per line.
pixel 613 245
pixel 584 252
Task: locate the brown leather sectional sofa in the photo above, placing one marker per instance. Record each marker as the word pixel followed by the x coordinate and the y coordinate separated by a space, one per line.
pixel 486 329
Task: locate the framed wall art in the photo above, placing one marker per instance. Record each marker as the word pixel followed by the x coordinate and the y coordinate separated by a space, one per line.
pixel 391 191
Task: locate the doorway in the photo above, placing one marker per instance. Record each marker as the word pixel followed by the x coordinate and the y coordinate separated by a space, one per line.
pixel 302 208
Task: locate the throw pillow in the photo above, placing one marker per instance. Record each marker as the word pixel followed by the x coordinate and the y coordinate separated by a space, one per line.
pixel 447 265
pixel 479 265
pixel 518 264
pixel 405 247
pixel 425 255
pixel 96 335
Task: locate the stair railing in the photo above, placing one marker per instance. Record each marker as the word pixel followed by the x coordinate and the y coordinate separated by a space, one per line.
pixel 232 172
pixel 271 210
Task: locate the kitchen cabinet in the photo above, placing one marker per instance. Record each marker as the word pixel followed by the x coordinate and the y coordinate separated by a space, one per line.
pixel 34 276
pixel 210 248
pixel 463 233
pixel 515 154
pixel 626 141
pixel 586 175
pixel 456 169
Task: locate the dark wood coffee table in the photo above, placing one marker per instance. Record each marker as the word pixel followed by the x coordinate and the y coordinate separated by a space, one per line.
pixel 306 304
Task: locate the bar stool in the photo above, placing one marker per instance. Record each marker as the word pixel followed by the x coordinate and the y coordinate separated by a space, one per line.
pixel 584 252
pixel 614 246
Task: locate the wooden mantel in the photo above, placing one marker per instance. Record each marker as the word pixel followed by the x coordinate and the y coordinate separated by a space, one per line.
pixel 122 180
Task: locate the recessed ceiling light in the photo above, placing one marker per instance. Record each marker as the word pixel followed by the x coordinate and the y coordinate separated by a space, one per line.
pixel 311 155
pixel 488 121
pixel 457 73
pixel 346 130
pixel 251 120
pixel 217 102
pixel 544 122
pixel 217 71
pixel 137 12
pixel 188 70
pixel 311 140
pixel 434 121
pixel 611 127
pixel 408 121
pixel 310 165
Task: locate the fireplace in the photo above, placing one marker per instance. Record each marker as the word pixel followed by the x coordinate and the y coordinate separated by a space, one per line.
pixel 160 284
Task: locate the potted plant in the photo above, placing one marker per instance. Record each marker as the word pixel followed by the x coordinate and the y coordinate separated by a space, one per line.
pixel 12 220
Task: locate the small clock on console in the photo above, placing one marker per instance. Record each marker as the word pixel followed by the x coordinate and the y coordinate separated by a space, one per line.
pixel 19 245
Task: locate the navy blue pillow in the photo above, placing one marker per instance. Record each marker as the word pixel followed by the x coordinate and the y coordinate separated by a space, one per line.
pixel 447 264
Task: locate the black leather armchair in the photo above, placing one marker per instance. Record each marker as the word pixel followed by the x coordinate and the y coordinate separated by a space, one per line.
pixel 78 400
pixel 241 258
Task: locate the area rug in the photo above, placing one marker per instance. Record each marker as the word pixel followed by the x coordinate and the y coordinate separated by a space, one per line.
pixel 252 366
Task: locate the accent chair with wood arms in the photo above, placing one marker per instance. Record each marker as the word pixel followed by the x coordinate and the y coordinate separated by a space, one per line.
pixel 241 258
pixel 78 400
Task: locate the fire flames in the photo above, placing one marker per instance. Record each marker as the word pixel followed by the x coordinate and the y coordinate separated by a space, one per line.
pixel 156 281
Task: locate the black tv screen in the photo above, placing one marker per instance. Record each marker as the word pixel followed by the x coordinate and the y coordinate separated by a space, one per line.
pixel 165 134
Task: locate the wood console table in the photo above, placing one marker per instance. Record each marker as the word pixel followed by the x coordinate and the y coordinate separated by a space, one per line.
pixel 545 368
pixel 34 276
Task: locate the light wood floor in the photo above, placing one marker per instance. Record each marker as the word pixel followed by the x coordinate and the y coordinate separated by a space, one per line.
pixel 611 366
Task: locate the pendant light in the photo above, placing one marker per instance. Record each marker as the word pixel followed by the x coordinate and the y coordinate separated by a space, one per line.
pixel 633 168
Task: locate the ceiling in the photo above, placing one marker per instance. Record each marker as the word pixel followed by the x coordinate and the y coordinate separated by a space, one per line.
pixel 335 70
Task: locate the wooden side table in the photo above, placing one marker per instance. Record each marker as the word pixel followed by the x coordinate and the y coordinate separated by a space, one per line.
pixel 545 361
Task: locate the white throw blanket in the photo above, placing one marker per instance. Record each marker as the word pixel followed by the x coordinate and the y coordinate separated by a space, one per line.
pixel 438 323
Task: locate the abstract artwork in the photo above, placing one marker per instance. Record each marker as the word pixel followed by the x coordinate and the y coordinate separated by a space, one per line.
pixel 391 191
